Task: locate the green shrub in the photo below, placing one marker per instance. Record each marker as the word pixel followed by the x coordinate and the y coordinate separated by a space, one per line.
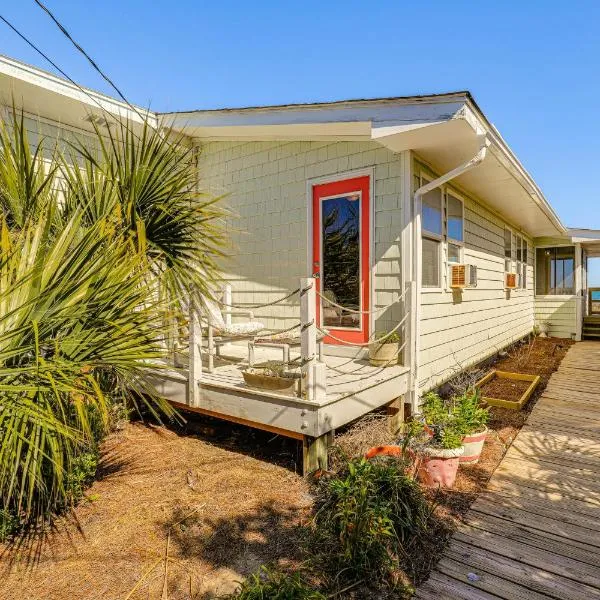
pixel 367 515
pixel 80 474
pixel 274 585
pixel 9 525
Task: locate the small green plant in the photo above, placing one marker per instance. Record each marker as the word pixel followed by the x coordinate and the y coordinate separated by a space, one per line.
pixel 471 416
pixel 273 368
pixel 366 516
pixel 9 525
pixel 80 474
pixel 275 585
pixel 393 338
pixel 443 420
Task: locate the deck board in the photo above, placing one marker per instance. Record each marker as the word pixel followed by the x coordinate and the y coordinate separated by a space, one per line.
pixel 535 532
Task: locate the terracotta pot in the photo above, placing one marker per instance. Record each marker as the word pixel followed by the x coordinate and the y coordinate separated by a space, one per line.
pixel 383 451
pixel 473 445
pixel 395 451
pixel 268 382
pixel 438 466
pixel 384 355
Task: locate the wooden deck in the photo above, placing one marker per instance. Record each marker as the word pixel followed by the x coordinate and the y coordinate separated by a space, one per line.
pixel 353 388
pixel 535 533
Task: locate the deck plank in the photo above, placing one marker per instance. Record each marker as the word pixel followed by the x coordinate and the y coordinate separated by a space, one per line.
pixel 535 532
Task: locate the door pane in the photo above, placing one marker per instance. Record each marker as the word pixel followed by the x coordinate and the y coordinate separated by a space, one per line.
pixel 340 266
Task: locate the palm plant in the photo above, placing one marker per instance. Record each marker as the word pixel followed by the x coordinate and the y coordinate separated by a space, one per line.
pixel 73 309
pixel 26 175
pixel 147 181
pixel 81 237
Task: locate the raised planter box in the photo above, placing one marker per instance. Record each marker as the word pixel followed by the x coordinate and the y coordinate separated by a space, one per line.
pixel 515 405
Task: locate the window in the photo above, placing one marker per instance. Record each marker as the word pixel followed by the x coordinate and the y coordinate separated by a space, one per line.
pixel 432 237
pixel 508 251
pixel 524 258
pixel 515 256
pixel 431 263
pixel 555 271
pixel 455 219
pixel 454 227
pixel 432 212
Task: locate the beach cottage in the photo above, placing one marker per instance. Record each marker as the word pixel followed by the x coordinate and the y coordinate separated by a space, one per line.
pixel 397 219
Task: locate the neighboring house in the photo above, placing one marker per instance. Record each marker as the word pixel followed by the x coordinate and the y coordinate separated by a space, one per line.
pixel 410 189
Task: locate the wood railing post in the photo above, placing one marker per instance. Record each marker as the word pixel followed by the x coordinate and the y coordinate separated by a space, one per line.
pixel 227 304
pixel 313 372
pixel 195 361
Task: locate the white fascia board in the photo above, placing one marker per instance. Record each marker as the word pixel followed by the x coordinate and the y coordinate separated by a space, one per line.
pixel 507 157
pixel 584 234
pixel 369 116
pixel 94 100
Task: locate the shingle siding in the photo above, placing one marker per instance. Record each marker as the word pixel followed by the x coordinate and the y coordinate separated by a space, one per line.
pixel 266 188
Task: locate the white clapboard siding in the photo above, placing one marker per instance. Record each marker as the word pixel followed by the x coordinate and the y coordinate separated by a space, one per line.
pixel 265 184
pixel 560 313
pixel 459 329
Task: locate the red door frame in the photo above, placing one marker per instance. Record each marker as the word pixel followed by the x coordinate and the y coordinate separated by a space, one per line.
pixel 344 187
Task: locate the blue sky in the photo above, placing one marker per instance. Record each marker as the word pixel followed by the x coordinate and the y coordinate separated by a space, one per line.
pixel 532 66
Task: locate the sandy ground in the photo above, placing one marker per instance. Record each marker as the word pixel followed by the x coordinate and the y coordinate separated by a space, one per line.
pixel 223 513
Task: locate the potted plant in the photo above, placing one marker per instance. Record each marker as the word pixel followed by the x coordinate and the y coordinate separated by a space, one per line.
pixel 271 376
pixel 440 456
pixel 472 421
pixel 543 328
pixel 386 352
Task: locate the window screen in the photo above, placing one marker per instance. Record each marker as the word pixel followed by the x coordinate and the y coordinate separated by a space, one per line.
pixel 430 262
pixel 455 219
pixel 555 271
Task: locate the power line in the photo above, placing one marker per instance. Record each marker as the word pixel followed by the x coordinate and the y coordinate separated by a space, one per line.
pixel 88 57
pixel 61 71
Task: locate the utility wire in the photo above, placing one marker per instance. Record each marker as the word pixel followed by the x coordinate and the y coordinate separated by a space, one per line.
pixel 51 62
pixel 88 57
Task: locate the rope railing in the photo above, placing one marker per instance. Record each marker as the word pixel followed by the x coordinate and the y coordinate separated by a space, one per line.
pixel 360 312
pixel 253 306
pixel 365 344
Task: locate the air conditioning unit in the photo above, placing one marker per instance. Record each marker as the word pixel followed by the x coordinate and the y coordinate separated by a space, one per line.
pixel 463 276
pixel 511 281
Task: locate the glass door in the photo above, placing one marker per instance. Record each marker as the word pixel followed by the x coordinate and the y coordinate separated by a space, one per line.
pixel 341 258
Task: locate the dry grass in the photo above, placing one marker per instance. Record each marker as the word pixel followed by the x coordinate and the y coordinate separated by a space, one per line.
pixel 224 513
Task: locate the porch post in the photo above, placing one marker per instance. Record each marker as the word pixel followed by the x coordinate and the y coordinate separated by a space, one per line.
pixel 227 304
pixel 313 372
pixel 579 293
pixel 195 361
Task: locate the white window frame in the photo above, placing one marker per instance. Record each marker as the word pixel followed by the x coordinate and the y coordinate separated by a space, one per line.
pixel 448 241
pixel 552 296
pixel 444 241
pixel 517 266
pixel 430 235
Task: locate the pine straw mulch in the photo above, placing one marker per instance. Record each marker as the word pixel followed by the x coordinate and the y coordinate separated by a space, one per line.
pixel 541 356
pixel 198 497
pixel 216 512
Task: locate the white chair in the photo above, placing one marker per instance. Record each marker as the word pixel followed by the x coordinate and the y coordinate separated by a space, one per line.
pixel 221 331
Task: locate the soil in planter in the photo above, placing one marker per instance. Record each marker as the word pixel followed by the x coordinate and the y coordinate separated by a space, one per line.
pixel 505 389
